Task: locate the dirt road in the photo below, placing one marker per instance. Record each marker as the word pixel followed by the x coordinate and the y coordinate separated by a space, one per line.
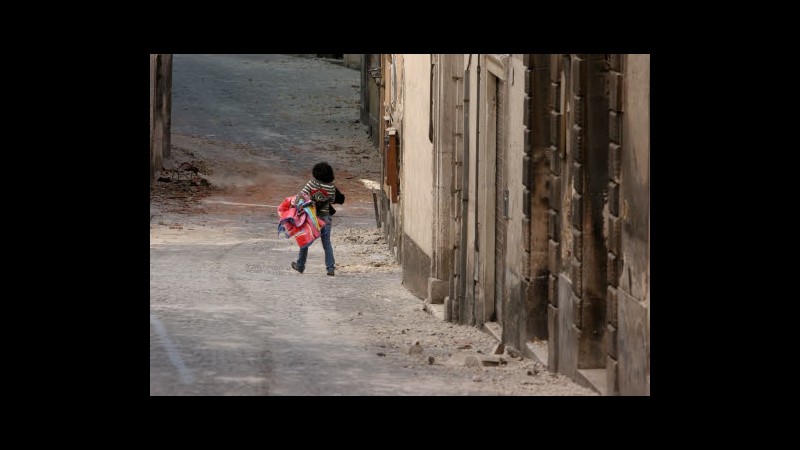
pixel 228 316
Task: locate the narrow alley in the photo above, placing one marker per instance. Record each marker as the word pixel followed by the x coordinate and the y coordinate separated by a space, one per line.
pixel 228 315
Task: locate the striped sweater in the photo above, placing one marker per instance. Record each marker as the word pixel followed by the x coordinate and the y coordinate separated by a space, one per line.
pixel 323 201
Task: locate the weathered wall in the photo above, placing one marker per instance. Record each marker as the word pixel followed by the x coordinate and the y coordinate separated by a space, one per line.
pixel 537 195
pixel 525 316
pixel 516 255
pixel 372 98
pixel 448 70
pixel 160 110
pixel 352 61
pixel 592 115
pixel 152 115
pixel 456 309
pixel 575 133
pixel 634 213
pixel 470 275
pixel 416 264
pixel 583 183
pixel 492 80
pixel 568 267
pixel 556 197
pixel 391 107
pixel 416 190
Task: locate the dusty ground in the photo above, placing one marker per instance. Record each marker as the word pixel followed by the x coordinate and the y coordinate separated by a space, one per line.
pixel 229 317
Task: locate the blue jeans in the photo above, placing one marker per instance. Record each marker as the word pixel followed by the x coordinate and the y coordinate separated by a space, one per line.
pixel 325 235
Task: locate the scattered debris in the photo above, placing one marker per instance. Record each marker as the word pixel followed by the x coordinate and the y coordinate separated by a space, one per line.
pixel 493 361
pixel 189 167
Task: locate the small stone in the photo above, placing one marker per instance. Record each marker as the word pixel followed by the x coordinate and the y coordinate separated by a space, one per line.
pixel 359 313
pixel 415 349
pixel 512 353
pixel 465 346
pixel 381 354
pixel 472 361
pixel 477 379
pixel 430 360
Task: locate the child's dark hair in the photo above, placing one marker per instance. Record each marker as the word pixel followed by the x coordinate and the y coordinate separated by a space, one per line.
pixel 323 172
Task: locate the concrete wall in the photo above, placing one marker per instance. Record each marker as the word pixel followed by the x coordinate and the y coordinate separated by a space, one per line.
pixel 417 181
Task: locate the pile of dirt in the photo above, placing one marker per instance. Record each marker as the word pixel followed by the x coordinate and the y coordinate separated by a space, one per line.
pixel 182 182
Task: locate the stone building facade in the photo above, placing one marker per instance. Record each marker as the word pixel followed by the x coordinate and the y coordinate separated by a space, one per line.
pixel 515 192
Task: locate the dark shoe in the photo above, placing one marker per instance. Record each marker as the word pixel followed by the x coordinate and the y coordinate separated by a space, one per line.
pixel 330 273
pixel 294 266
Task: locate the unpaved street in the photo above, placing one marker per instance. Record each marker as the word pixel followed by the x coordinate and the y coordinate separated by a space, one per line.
pixel 228 316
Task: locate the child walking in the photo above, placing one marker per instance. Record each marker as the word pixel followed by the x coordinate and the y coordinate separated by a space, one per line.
pixel 322 190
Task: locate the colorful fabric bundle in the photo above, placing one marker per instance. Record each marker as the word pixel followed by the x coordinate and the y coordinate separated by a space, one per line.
pixel 300 222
